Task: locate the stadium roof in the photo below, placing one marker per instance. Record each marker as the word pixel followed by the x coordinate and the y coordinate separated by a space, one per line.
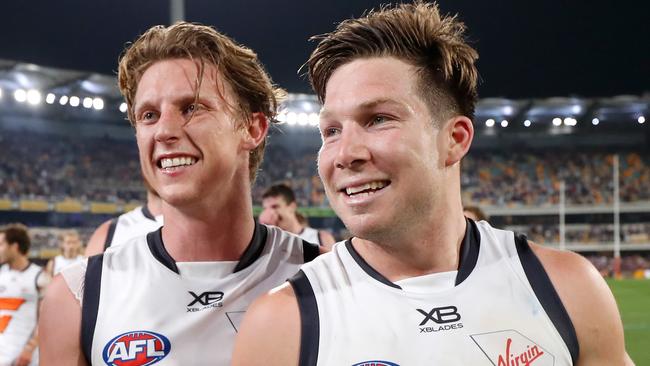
pixel 529 49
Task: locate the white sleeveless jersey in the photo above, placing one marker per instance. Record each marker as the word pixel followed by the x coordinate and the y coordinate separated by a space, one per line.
pixel 18 304
pixel 134 223
pixel 140 307
pixel 310 234
pixel 498 309
pixel 61 262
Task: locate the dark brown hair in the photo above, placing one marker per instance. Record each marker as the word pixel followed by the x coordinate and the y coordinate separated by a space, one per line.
pixel 415 33
pixel 17 234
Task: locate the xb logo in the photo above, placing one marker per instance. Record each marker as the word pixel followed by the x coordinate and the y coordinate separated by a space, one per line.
pixel 442 315
pixel 206 298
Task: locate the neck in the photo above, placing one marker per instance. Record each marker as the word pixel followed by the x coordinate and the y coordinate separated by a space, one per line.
pixel 427 247
pixel 69 255
pixel 19 263
pixel 154 204
pixel 293 226
pixel 217 232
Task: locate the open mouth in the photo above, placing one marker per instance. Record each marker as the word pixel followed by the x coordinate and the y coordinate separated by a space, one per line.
pixel 170 164
pixel 366 189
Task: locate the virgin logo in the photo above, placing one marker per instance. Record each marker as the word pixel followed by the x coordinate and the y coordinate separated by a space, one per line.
pixel 525 358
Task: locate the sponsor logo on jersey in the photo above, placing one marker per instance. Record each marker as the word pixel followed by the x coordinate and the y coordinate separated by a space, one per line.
pixel 136 348
pixel 442 318
pixel 375 363
pixel 204 301
pixel 511 348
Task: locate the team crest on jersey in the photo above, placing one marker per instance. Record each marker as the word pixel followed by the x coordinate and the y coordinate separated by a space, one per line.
pixel 511 348
pixel 375 363
pixel 136 348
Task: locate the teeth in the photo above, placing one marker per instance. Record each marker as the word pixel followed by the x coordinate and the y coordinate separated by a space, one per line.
pixel 174 162
pixel 372 185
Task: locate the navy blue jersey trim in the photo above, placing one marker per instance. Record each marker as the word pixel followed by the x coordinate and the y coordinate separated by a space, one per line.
pixel 366 267
pixel 468 254
pixel 548 297
pixel 147 213
pixel 157 248
pixel 309 319
pixel 310 251
pixel 254 249
pixel 110 234
pixel 90 304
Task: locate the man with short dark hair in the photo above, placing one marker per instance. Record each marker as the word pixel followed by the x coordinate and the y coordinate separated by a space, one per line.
pixel 280 209
pixel 20 287
pixel 419 284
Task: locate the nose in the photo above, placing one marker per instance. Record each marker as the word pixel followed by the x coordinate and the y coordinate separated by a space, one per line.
pixel 169 126
pixel 352 150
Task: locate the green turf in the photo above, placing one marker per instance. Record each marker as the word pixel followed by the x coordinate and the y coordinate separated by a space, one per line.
pixel 633 298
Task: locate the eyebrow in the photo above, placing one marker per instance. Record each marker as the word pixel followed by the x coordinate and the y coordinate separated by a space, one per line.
pixel 370 105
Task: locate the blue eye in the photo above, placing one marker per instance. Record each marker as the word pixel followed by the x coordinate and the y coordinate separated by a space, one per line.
pixel 379 120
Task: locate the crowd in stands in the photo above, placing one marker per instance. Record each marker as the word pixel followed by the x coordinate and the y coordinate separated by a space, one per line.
pixel 632 233
pixel 103 169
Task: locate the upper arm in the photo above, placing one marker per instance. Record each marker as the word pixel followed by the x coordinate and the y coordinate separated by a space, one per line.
pixel 326 239
pixel 97 240
pixel 270 332
pixel 590 305
pixel 59 326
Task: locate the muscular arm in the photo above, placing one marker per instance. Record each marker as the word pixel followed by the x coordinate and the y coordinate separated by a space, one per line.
pixel 590 304
pixel 270 332
pixel 97 240
pixel 59 326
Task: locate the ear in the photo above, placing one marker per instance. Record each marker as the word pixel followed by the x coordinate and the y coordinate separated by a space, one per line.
pixel 461 134
pixel 256 131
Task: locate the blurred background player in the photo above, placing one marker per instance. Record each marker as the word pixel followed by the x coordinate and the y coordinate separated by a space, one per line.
pixel 280 209
pixel 141 220
pixel 475 213
pixel 20 286
pixel 70 244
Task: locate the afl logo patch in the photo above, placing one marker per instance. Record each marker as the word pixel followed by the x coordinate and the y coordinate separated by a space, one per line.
pixel 375 363
pixel 136 348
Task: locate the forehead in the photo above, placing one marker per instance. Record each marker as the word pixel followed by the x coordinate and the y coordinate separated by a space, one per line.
pixel 178 77
pixel 364 81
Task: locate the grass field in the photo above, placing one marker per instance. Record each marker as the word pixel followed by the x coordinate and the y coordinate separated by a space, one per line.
pixel 633 298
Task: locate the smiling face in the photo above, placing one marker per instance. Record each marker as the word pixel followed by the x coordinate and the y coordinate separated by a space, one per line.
pixel 383 163
pixel 191 151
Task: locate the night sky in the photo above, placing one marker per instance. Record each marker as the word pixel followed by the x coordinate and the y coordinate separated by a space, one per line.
pixel 527 48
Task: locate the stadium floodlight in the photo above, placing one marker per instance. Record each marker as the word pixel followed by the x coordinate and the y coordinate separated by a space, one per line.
pixel 20 95
pixel 123 107
pixel 576 109
pixel 527 123
pixel 98 103
pixel 489 122
pixel 87 102
pixel 0 93
pixel 641 119
pixel 50 98
pixel 303 119
pixel 507 110
pixel 74 101
pixel 313 119
pixel 34 97
pixel 595 121
pixel 292 118
pixel 568 121
pixel 557 121
pixel 504 123
pixel 63 100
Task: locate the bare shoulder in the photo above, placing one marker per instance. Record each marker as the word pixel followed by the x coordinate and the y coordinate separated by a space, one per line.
pixel 60 326
pixel 97 240
pixel 590 305
pixel 277 313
